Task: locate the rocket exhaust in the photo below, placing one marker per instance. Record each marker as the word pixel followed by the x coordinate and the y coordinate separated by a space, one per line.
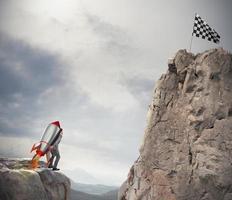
pixel 35 162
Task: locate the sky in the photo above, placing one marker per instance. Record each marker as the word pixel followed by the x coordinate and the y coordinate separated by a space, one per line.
pixel 92 65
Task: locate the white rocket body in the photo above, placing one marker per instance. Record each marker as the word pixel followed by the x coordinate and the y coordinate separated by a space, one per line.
pixel 50 136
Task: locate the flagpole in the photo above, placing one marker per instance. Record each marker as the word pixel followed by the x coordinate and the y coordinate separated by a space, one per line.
pixel 191 43
pixel 192 34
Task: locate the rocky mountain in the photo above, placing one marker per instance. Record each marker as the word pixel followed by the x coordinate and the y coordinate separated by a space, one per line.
pixel 17 182
pixel 186 153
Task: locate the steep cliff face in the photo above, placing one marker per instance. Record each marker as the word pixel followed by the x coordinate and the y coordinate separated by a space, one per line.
pixel 19 183
pixel 187 149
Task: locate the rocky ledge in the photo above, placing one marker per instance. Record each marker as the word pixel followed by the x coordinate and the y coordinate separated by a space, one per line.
pixel 17 182
pixel 186 153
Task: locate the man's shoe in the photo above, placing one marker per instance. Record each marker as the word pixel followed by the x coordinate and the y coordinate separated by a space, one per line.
pixel 55 169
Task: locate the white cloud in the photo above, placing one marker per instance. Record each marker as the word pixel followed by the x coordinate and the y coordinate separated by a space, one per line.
pixel 80 40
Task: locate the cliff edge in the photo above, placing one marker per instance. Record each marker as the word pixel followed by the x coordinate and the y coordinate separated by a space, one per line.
pixel 17 182
pixel 186 153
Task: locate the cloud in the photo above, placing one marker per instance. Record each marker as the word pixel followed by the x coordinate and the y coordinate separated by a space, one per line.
pixel 25 74
pixel 95 52
pixel 113 39
pixel 27 67
pixel 141 88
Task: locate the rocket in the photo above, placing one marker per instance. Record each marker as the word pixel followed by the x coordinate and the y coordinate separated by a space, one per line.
pixel 50 136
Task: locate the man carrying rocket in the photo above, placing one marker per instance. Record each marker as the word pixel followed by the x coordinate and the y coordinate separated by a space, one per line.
pixel 55 150
pixel 48 145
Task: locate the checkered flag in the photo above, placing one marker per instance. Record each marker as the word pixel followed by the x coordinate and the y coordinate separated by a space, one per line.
pixel 203 30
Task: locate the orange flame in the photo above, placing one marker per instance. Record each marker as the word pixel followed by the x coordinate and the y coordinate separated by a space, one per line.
pixel 35 162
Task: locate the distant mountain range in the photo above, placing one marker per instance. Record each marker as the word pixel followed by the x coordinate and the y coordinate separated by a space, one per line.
pixel 92 189
pixel 77 195
pixel 81 191
pixel 87 188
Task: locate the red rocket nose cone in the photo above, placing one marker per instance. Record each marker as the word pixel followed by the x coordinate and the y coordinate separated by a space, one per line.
pixel 57 123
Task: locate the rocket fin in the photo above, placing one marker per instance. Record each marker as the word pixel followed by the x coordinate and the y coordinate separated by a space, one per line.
pixel 35 146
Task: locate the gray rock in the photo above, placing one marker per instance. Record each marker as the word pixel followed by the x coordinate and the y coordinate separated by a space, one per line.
pixel 17 182
pixel 187 146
